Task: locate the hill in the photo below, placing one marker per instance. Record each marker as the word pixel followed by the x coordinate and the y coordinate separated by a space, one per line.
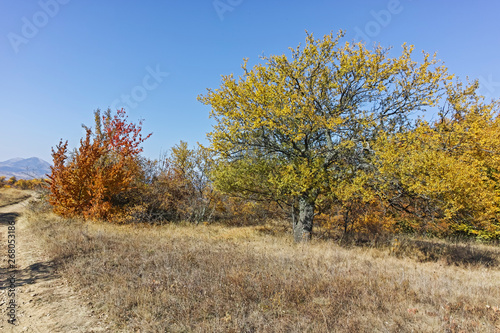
pixel 25 168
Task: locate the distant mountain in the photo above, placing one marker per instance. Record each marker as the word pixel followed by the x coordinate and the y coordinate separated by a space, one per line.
pixel 25 168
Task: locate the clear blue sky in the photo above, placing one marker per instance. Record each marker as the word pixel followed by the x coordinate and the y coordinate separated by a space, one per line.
pixel 62 59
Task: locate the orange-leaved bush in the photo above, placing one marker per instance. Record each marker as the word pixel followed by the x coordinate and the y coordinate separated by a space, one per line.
pixel 90 182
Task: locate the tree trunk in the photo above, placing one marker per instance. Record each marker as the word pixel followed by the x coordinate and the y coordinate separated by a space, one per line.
pixel 302 227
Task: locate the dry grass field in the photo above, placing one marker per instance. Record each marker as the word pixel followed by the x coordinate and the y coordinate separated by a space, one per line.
pixel 10 196
pixel 212 278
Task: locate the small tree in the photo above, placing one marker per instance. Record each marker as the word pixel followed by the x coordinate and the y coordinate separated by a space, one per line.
pixel 12 181
pixel 187 192
pixel 445 173
pixel 297 128
pixel 103 167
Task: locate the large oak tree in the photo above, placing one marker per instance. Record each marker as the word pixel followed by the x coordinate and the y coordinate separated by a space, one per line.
pixel 296 127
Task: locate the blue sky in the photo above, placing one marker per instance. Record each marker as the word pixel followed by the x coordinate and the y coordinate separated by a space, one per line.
pixel 62 59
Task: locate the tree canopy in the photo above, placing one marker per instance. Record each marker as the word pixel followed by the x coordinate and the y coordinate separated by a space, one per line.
pixel 446 171
pixel 104 166
pixel 301 126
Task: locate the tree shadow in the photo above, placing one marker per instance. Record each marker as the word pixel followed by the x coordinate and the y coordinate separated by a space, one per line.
pixel 455 254
pixel 35 273
pixel 464 253
pixel 8 218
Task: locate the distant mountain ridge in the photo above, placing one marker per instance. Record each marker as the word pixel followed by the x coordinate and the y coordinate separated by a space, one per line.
pixel 25 168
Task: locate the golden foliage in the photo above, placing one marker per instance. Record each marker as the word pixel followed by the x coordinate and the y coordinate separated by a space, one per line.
pixel 299 127
pixel 446 172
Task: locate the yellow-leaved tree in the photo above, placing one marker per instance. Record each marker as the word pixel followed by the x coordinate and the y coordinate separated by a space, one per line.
pixel 446 172
pixel 298 127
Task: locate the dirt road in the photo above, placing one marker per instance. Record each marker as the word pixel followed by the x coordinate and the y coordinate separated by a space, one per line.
pixel 44 301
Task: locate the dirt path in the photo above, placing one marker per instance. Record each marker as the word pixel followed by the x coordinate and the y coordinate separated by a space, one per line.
pixel 45 302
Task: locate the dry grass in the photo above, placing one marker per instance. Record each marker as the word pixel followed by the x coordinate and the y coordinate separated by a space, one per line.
pixel 10 196
pixel 183 278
